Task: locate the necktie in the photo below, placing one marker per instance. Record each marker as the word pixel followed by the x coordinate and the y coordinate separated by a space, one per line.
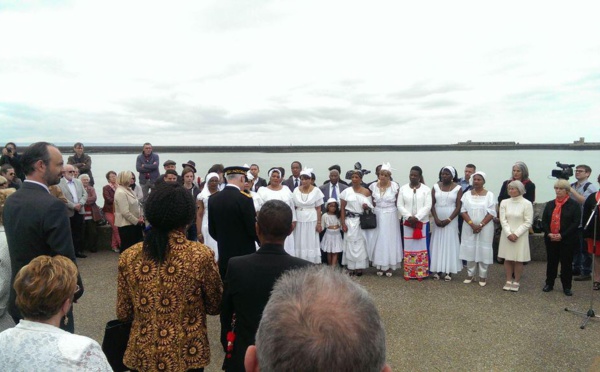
pixel 295 182
pixel 334 192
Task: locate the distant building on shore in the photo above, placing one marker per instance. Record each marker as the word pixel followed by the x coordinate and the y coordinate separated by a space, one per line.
pixel 493 143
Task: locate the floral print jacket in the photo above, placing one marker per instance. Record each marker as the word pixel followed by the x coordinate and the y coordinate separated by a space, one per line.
pixel 168 304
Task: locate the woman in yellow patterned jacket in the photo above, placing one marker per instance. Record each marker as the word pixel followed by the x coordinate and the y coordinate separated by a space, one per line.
pixel 167 285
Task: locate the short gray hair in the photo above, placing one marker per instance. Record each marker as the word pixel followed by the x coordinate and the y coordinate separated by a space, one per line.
pixel 233 176
pixel 318 319
pixel 82 176
pixel 517 185
pixel 524 170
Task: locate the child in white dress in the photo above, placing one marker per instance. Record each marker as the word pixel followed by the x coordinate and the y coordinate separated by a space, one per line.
pixel 332 240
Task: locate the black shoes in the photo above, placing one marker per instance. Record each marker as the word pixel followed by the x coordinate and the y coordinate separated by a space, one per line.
pixel 547 288
pixel 80 255
pixel 568 292
pixel 582 278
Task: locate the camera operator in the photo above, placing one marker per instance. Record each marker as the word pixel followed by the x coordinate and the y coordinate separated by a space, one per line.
pixel 10 156
pixel 580 190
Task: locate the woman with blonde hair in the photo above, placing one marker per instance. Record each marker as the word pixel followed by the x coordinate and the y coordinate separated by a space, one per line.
pixel 128 214
pixel 560 221
pixel 45 291
pixel 516 216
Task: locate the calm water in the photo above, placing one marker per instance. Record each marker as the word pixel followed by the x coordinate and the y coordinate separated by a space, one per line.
pixel 496 164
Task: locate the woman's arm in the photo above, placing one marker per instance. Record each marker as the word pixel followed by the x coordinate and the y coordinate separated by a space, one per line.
pixel 343 215
pixel 108 194
pixel 199 218
pixel 212 286
pixel 527 220
pixel 122 207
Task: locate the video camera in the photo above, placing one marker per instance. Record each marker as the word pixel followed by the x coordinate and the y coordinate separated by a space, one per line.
pixel 565 171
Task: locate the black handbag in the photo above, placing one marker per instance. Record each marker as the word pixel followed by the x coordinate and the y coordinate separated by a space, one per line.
pixel 368 220
pixel 116 336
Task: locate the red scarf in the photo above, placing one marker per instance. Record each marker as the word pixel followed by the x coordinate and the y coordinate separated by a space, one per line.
pixel 555 221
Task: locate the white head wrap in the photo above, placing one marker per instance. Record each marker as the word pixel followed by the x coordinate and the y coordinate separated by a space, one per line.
pixel 274 170
pixel 249 176
pixel 451 170
pixel 211 175
pixel 306 172
pixel 386 167
pixel 474 174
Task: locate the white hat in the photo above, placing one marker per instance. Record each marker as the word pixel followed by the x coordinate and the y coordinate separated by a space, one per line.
pixel 306 172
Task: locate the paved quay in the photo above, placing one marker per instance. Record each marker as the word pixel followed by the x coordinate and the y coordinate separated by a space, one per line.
pixel 430 325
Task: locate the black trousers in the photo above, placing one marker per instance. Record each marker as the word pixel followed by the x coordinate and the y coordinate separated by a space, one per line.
pixel 130 235
pixel 77 231
pixel 559 252
pixel 90 236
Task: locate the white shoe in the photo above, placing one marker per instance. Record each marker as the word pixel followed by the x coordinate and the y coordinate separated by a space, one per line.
pixel 469 280
pixel 507 286
pixel 482 282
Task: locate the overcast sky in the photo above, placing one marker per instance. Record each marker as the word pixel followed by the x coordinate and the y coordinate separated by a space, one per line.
pixel 304 72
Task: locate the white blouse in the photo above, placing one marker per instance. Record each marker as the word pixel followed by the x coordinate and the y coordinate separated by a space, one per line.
pixel 33 346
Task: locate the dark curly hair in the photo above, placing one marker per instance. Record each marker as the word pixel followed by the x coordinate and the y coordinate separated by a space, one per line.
pixel 168 207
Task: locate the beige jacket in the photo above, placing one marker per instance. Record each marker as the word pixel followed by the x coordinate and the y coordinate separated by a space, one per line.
pixel 127 207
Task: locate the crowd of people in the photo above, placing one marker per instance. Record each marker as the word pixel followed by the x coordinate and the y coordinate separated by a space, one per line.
pixel 191 247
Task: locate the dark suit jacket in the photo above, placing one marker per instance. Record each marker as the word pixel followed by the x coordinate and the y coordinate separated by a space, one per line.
pixel 248 285
pixel 231 222
pixel 259 183
pixel 570 216
pixel 290 183
pixel 325 190
pixel 36 224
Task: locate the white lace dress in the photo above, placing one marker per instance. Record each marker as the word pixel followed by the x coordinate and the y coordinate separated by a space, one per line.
pixel 355 255
pixel 332 240
pixel 285 195
pixel 386 240
pixel 306 237
pixel 33 346
pixel 445 245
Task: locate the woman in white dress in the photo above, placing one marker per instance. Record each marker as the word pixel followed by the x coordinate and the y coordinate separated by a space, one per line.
pixel 478 210
pixel 308 200
pixel 211 187
pixel 276 191
pixel 355 200
pixel 445 207
pixel 414 205
pixel 516 216
pixel 385 239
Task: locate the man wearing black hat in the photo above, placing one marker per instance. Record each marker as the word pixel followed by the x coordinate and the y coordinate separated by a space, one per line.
pixel 169 165
pixel 231 218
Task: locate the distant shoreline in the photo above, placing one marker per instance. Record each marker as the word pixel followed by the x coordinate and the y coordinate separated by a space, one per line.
pixel 353 148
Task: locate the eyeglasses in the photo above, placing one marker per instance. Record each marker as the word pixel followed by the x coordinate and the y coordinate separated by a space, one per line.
pixel 69 171
pixel 580 171
pixel 11 174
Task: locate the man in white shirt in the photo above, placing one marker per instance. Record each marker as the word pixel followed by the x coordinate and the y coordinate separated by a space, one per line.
pixel 580 190
pixel 76 196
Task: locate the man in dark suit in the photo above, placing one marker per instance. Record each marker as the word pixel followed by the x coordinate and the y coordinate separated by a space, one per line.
pixel 332 189
pixel 258 181
pixel 250 278
pixel 36 222
pixel 294 180
pixel 76 196
pixel 231 218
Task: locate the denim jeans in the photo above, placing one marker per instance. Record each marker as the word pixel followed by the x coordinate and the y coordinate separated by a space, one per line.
pixel 582 260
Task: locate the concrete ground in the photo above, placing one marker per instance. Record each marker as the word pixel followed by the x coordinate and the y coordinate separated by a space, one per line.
pixel 430 325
